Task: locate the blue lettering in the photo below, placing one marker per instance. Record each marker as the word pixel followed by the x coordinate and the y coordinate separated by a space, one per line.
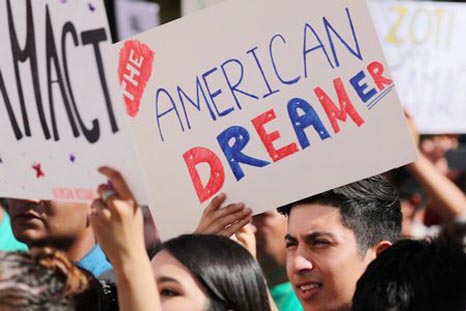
pixel 307 50
pixel 197 104
pixel 359 88
pixel 234 87
pixel 160 115
pixel 271 92
pixel 300 123
pixel 329 27
pixel 293 81
pixel 233 152
pixel 215 94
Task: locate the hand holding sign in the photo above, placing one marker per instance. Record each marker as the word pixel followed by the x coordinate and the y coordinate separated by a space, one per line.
pixel 117 220
pixel 224 221
pixel 246 236
pixel 118 224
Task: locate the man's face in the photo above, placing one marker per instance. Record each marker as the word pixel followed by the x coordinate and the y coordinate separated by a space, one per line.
pixel 271 228
pixel 323 262
pixel 44 223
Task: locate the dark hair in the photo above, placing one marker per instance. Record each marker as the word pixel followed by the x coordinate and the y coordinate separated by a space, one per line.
pixel 230 276
pixel 44 280
pixel 369 207
pixel 415 276
pixel 151 234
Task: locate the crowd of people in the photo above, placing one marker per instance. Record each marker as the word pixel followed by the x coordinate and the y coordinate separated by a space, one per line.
pixel 382 243
pixel 395 242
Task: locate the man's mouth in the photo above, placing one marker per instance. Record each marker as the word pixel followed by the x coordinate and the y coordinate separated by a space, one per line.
pixel 309 287
pixel 307 290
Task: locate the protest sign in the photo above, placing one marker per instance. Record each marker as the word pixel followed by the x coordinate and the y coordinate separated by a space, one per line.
pixel 265 101
pixel 135 16
pixel 57 104
pixel 425 48
pixel 189 6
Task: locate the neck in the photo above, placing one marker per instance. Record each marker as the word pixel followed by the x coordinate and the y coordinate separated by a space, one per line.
pixel 75 248
pixel 83 245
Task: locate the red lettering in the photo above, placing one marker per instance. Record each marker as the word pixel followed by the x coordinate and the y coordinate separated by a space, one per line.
pixel 199 155
pixel 346 107
pixel 269 138
pixel 85 194
pixel 376 70
pixel 63 194
pixel 134 71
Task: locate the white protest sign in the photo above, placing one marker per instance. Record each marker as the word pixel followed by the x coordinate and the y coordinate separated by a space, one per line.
pixel 58 109
pixel 425 48
pixel 189 6
pixel 267 102
pixel 135 16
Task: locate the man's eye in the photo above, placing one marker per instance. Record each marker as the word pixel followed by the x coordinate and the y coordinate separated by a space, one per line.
pixel 321 242
pixel 168 293
pixel 290 245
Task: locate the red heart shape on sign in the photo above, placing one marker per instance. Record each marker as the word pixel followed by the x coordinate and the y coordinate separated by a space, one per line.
pixel 134 70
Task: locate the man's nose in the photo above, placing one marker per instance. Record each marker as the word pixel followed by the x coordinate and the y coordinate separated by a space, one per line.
pixel 34 201
pixel 22 205
pixel 302 263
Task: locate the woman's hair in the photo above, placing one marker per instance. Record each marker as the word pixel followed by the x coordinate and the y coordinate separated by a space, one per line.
pixel 42 280
pixel 230 276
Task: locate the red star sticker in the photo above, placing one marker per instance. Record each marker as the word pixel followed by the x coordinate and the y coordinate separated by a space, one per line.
pixel 38 169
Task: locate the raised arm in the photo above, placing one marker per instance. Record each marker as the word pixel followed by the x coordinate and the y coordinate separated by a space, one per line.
pixel 232 221
pixel 450 201
pixel 118 224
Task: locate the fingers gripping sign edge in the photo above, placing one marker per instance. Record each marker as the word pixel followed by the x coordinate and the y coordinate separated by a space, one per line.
pixel 118 183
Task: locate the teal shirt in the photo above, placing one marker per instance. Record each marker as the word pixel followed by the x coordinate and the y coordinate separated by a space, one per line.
pixel 8 243
pixel 95 261
pixel 285 297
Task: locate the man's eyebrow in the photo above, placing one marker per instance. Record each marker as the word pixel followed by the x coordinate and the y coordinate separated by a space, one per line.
pixel 318 234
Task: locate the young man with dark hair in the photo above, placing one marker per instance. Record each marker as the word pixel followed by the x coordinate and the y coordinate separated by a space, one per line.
pixel 416 276
pixel 333 236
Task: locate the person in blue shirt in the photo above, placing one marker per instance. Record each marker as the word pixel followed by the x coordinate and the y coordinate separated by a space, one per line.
pixel 8 243
pixel 61 225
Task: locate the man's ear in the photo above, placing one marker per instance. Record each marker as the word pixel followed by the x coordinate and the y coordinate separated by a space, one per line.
pixel 381 246
pixel 415 199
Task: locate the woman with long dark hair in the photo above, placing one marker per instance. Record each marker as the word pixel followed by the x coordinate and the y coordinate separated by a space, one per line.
pixel 193 272
pixel 224 274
